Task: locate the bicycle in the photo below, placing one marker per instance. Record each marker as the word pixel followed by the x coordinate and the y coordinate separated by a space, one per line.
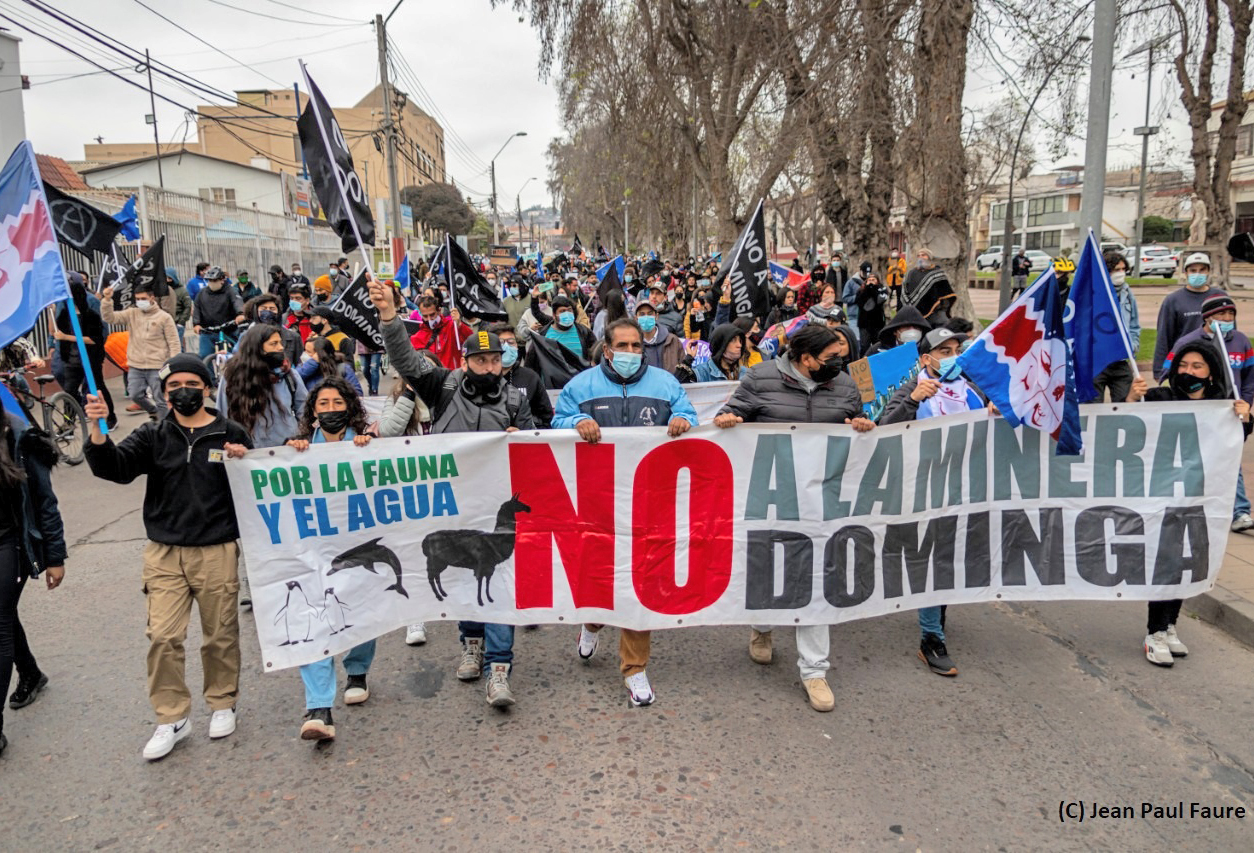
pixel 222 347
pixel 63 418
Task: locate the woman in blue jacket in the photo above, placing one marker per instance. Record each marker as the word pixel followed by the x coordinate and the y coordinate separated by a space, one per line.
pixel 32 542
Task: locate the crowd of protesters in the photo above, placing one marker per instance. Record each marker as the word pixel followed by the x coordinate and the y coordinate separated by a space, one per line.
pixel 271 368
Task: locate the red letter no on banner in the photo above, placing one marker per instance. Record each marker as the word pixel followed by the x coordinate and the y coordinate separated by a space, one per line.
pixel 710 499
pixel 585 538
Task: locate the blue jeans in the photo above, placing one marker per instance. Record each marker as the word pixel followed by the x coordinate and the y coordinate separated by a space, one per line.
pixel 319 677
pixel 1242 504
pixel 498 641
pixel 370 363
pixel 206 342
pixel 930 622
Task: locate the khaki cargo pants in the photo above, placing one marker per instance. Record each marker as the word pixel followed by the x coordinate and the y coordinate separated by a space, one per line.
pixel 633 649
pixel 174 577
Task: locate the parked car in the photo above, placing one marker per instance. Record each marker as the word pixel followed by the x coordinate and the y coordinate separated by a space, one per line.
pixel 1157 260
pixel 990 258
pixel 1118 247
pixel 1040 260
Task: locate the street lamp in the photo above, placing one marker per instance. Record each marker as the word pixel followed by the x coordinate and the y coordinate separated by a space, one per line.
pixel 496 220
pixel 518 205
pixel 1008 231
pixel 1145 132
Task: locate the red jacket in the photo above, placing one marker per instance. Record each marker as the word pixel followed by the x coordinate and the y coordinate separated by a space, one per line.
pixel 442 342
pixel 299 322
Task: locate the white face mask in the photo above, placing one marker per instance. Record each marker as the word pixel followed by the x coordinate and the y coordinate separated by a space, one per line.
pixel 143 304
pixel 1118 278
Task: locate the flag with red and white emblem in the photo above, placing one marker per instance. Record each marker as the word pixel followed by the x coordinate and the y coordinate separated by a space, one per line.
pixel 31 274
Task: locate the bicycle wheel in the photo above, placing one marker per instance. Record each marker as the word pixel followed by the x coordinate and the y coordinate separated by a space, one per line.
pixel 67 425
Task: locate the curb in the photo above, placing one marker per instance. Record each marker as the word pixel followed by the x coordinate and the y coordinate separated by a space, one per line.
pixel 1231 613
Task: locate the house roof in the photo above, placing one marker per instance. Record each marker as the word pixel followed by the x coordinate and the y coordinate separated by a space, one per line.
pixel 174 155
pixel 59 173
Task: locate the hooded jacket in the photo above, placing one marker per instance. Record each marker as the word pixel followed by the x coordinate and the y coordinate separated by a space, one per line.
pixel 907 317
pixel 215 308
pixel 1166 392
pixel 182 300
pixel 773 393
pixel 1240 357
pixel 184 498
pixel 665 350
pixel 711 370
pixel 35 516
pixel 649 397
pixel 855 351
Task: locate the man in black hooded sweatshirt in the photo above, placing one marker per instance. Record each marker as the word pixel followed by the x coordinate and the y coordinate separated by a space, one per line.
pixel 908 326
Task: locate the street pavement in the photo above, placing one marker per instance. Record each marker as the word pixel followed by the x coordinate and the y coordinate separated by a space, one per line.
pixel 1055 704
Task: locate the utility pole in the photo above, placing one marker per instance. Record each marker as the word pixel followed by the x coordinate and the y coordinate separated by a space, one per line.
pixel 156 138
pixel 518 208
pixel 496 220
pixel 389 129
pixel 1145 132
pixel 1093 192
pixel 626 226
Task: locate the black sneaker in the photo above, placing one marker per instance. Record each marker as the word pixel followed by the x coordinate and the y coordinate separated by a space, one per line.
pixel 932 652
pixel 318 725
pixel 27 690
pixel 356 691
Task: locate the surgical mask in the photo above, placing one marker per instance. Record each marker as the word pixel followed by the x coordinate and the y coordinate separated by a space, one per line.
pixel 1197 279
pixel 909 336
pixel 1221 327
pixel 947 369
pixel 333 422
pixel 1187 383
pixel 1118 278
pixel 296 306
pixel 274 359
pixel 295 270
pixel 565 319
pixel 704 282
pixel 647 323
pixel 433 321
pixel 269 317
pixel 513 291
pixel 827 370
pixel 626 364
pixel 629 278
pixel 187 401
pixel 509 355
pixel 143 304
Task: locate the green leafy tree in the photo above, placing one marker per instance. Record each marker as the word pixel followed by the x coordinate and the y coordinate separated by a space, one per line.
pixel 1157 229
pixel 440 206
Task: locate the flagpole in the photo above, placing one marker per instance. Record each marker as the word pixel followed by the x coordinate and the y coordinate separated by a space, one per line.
pixel 452 287
pixel 89 372
pixel 339 179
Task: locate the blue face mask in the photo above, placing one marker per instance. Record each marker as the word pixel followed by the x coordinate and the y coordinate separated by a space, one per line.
pixel 626 364
pixel 1222 327
pixel 509 354
pixel 296 307
pixel 948 369
pixel 513 291
pixel 565 319
pixel 647 323
pixel 629 278
pixel 1197 279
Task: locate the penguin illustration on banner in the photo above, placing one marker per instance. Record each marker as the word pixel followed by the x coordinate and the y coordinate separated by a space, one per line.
pixel 296 613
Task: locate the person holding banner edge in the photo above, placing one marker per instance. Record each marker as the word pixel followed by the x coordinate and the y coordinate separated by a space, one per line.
pixel 1191 375
pixel 807 384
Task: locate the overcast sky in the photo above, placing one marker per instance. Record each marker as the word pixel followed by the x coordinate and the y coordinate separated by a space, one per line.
pixel 476 64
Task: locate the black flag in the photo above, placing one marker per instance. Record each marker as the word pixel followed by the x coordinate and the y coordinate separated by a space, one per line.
pixel 609 283
pixel 355 315
pixel 437 260
pixel 746 268
pixel 79 225
pixel 472 295
pixel 148 271
pixel 330 164
pixel 651 268
pixel 577 248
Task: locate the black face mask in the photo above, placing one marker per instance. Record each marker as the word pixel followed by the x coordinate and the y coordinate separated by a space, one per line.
pixel 827 370
pixel 1186 383
pixel 274 360
pixel 333 422
pixel 318 330
pixel 187 401
pixel 270 318
pixel 482 383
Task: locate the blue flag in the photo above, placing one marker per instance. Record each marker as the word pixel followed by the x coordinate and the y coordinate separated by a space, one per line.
pixel 619 264
pixel 31 274
pixel 1093 321
pixel 402 273
pixel 1022 362
pixel 129 219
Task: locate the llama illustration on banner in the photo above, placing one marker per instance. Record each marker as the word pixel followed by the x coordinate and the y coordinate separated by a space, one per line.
pixel 477 550
pixel 366 556
pixel 297 613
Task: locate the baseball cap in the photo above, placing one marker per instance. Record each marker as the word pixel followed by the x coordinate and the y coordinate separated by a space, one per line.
pixel 1197 258
pixel 480 343
pixel 936 337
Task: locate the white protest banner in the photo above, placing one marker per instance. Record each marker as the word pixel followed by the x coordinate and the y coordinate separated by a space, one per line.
pixel 760 524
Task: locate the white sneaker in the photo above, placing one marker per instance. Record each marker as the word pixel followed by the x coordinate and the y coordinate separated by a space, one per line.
pixel 1178 649
pixel 1156 649
pixel 1242 523
pixel 416 634
pixel 588 643
pixel 639 690
pixel 222 723
pixel 165 737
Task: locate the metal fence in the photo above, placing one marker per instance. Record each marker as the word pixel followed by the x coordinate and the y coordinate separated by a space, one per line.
pixel 197 229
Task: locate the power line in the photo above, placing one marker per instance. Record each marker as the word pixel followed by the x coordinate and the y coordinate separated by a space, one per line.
pixel 312 12
pixel 205 42
pixel 284 20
